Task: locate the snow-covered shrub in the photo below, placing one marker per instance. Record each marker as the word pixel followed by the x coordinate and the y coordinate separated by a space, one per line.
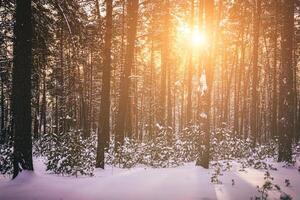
pixel 128 155
pixel 296 153
pixel 217 168
pixel 69 153
pixel 164 150
pixel 188 139
pixel 42 145
pixel 167 149
pixel 269 186
pixel 6 156
pixel 226 146
pixel 110 153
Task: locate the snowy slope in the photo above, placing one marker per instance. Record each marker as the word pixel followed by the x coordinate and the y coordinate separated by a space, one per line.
pixel 183 183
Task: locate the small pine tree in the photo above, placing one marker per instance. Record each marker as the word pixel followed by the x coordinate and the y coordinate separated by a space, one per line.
pixel 70 153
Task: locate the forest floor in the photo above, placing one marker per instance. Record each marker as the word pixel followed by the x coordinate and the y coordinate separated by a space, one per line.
pixel 181 183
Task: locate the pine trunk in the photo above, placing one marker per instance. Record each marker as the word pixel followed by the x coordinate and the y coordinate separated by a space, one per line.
pixel 125 77
pixel 104 128
pixel 21 91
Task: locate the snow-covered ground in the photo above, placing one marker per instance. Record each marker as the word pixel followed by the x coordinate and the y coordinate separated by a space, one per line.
pixel 182 183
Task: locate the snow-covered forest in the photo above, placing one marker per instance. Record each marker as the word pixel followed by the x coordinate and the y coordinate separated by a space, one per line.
pixel 149 99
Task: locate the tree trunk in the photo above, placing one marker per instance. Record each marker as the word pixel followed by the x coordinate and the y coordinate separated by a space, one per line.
pixel 103 131
pixel 21 89
pixel 164 62
pixel 125 77
pixel 256 32
pixel 286 99
pixel 44 104
pixel 204 157
pixel 275 90
pixel 2 116
pixel 190 73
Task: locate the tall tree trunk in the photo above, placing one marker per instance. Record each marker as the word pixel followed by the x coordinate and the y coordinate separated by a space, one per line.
pixel 125 77
pixel 21 89
pixel 286 99
pixel 298 123
pixel 164 62
pixel 256 32
pixel 44 104
pixel 2 116
pixel 236 93
pixel 151 92
pixel 204 156
pixel 36 121
pixel 190 73
pixel 91 115
pixel 275 77
pixel 241 77
pixel 103 131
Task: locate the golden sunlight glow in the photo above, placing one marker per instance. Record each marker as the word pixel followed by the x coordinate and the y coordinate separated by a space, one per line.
pixel 194 37
pixel 198 38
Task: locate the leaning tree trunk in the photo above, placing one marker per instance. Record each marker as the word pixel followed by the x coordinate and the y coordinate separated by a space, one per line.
pixel 21 88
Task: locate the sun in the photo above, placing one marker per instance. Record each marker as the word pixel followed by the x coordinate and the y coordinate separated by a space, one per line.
pixel 195 37
pixel 198 38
